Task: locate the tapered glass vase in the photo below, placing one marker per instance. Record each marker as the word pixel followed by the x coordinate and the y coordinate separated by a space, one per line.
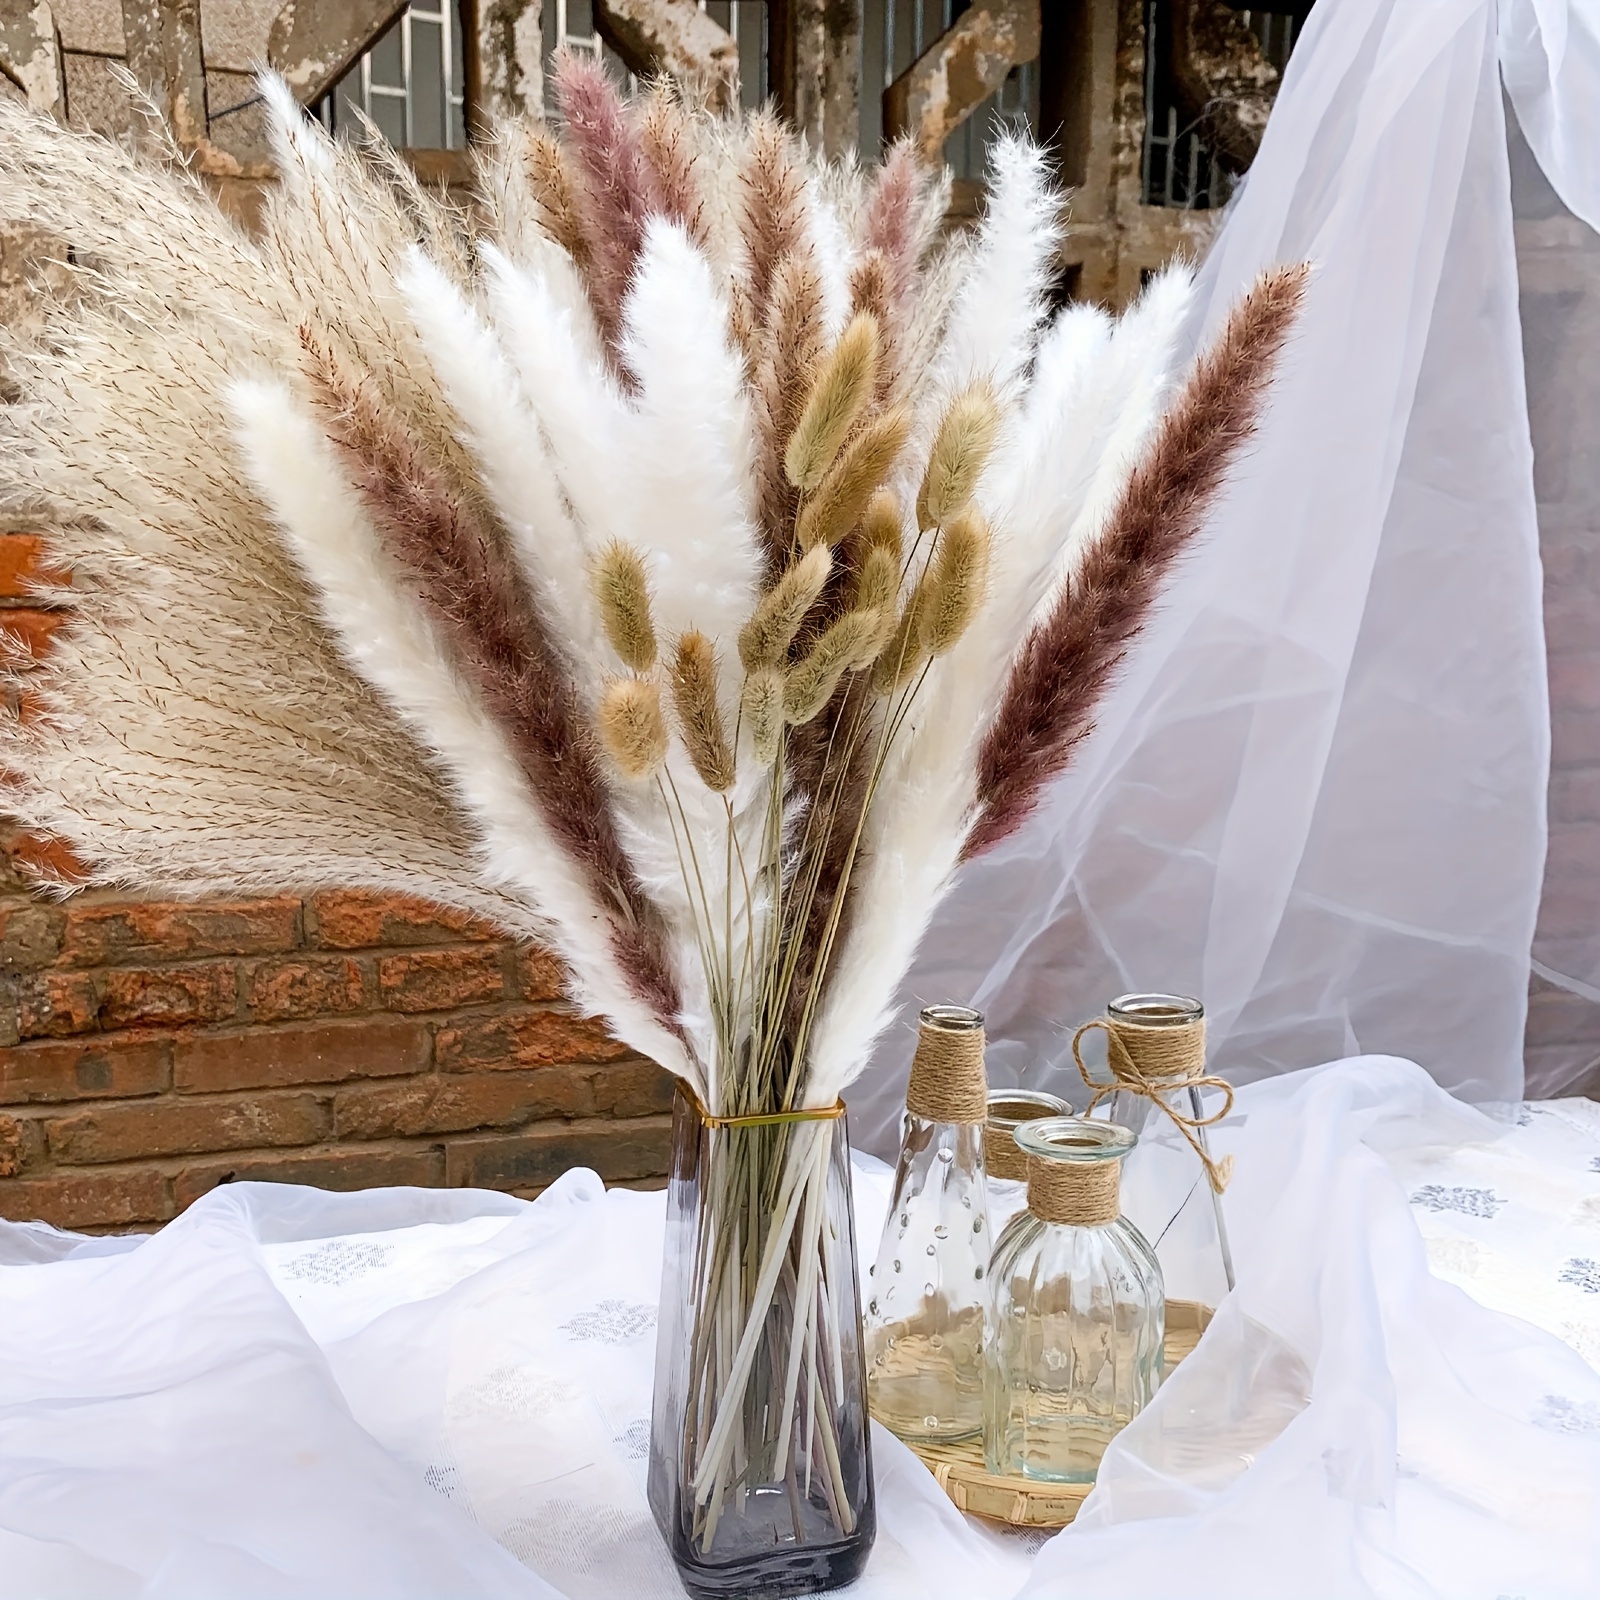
pixel 760 1471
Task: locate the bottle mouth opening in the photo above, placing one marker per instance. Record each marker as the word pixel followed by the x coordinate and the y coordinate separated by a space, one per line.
pixel 1075 1139
pixel 951 1019
pixel 1157 1010
pixel 1009 1108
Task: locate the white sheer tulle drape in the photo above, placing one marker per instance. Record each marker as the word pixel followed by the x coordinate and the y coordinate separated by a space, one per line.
pixel 1318 797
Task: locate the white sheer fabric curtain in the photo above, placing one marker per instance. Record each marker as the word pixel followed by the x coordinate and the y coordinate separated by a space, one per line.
pixel 1317 798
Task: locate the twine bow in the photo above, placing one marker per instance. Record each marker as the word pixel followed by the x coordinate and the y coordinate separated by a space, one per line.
pixel 1154 1062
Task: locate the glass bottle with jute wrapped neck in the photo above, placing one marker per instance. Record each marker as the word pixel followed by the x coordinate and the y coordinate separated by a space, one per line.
pixel 1076 1310
pixel 925 1305
pixel 1154 1080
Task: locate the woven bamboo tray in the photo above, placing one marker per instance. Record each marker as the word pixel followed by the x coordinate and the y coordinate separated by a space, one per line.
pixel 1023 1503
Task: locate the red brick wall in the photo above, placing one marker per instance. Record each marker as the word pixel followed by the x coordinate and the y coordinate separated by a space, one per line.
pixel 149 1051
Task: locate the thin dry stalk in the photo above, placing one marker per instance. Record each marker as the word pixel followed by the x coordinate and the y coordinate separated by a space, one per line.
pixel 1067 661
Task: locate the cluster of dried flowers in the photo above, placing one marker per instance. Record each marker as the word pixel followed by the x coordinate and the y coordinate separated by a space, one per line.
pixel 689 559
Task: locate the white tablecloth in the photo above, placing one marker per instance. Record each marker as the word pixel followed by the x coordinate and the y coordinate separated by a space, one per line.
pixel 432 1393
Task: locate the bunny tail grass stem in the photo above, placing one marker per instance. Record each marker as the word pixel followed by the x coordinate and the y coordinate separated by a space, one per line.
pixel 1067 661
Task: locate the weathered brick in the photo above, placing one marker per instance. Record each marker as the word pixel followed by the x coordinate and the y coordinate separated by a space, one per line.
pixel 530 1160
pixel 168 997
pixel 439 980
pixel 21 567
pixel 85 1199
pixel 540 975
pixel 30 936
pixel 27 631
pixel 362 919
pixel 323 1052
pixel 458 1101
pixel 364 1168
pixel 103 933
pixel 185 1127
pixel 10 1146
pixel 525 1039
pixel 117 1065
pixel 632 1089
pixel 54 1005
pixel 315 986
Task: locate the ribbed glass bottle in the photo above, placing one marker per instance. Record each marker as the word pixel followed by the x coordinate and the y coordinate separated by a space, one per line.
pixel 927 1293
pixel 1076 1310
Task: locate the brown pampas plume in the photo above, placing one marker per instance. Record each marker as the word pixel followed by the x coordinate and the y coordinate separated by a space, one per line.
pixel 773 209
pixel 792 347
pixel 617 191
pixel 555 191
pixel 632 727
pixel 955 583
pixel 1067 661
pixel 960 453
pixel 765 639
pixel 664 136
pixel 622 592
pixel 809 684
pixel 456 558
pixel 761 707
pixel 843 385
pixel 872 291
pixel 866 462
pixel 694 698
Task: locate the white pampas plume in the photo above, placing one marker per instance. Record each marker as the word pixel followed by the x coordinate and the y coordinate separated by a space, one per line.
pixel 502 434
pixel 393 644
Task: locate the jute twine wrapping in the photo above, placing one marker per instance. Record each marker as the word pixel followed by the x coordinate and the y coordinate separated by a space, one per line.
pixel 1001 1158
pixel 948 1083
pixel 1157 1062
pixel 1082 1194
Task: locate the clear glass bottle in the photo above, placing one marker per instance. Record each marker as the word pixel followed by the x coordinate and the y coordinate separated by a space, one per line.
pixel 1076 1310
pixel 926 1296
pixel 1167 1190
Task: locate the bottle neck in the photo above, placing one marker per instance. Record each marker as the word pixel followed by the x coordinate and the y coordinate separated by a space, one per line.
pixel 947 1076
pixel 1075 1194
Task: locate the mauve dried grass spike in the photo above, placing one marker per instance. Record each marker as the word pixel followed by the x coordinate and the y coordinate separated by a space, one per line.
pixel 618 192
pixel 1067 661
pixel 455 557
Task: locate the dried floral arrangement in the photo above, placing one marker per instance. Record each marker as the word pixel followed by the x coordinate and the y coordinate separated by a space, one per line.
pixel 689 560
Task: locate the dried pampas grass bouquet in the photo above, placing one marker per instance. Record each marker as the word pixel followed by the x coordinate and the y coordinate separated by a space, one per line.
pixel 690 562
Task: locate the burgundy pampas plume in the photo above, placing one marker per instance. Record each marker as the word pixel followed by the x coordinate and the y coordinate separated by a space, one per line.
pixel 617 191
pixel 889 223
pixel 455 558
pixel 1066 662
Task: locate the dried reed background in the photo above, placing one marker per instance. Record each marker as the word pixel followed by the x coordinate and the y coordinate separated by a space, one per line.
pixel 690 562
